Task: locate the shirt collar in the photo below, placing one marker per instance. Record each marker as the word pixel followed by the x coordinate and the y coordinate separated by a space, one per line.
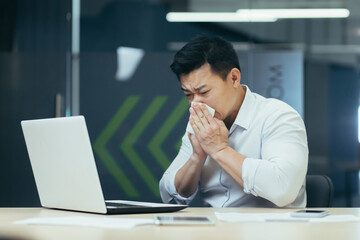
pixel 245 114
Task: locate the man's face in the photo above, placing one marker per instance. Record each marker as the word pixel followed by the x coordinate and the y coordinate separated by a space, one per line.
pixel 202 85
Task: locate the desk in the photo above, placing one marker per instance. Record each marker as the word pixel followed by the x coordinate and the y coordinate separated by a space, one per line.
pixel 219 231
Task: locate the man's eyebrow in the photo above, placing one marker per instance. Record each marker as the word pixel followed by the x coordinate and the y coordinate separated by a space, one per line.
pixel 200 87
pixel 185 90
pixel 196 89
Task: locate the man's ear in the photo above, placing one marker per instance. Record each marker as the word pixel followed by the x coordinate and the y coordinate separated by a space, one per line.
pixel 235 76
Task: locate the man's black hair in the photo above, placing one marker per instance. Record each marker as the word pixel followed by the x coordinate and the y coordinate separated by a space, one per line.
pixel 216 51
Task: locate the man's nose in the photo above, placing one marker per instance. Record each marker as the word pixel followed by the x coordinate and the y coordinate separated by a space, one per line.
pixel 198 99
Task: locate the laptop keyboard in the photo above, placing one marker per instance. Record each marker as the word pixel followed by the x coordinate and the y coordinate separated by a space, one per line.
pixel 127 207
pixel 122 205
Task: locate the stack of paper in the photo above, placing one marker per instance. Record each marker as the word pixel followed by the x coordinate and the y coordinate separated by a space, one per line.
pixel 102 222
pixel 280 217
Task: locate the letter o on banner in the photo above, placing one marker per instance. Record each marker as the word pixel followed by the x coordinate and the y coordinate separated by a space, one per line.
pixel 275 91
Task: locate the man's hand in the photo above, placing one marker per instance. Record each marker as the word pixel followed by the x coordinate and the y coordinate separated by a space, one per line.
pixel 211 133
pixel 198 152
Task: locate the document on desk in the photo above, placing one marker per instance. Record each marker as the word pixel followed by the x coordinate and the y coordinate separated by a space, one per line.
pixel 101 222
pixel 256 217
pixel 280 217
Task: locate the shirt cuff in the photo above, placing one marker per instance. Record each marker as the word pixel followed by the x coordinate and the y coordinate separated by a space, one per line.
pixel 249 168
pixel 176 196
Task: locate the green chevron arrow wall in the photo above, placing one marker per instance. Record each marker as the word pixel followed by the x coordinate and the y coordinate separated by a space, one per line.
pixel 135 126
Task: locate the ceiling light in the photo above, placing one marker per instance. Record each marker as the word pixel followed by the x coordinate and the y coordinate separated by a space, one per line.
pixel 296 13
pixel 257 15
pixel 215 17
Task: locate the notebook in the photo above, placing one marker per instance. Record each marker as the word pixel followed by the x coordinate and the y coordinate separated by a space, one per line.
pixel 65 172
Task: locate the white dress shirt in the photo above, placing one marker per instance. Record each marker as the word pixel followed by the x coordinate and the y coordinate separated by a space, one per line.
pixel 272 137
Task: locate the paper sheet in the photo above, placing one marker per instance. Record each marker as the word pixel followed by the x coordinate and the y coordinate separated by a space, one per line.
pixel 189 127
pixel 102 222
pixel 280 217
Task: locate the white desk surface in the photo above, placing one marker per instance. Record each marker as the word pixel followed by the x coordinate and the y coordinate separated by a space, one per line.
pixel 219 231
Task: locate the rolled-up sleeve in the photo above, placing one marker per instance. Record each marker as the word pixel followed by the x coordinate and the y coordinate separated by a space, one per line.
pixel 167 183
pixel 280 173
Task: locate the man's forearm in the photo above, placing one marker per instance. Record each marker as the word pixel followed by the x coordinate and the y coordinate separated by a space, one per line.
pixel 231 161
pixel 187 178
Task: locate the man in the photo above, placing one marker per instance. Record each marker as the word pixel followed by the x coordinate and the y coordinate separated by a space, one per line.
pixel 252 153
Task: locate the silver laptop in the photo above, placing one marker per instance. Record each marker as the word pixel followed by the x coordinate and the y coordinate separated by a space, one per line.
pixel 65 172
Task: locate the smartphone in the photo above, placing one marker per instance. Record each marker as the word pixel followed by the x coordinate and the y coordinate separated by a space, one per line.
pixel 182 220
pixel 309 213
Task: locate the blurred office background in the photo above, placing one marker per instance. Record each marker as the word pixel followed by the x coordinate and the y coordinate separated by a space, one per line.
pixel 109 60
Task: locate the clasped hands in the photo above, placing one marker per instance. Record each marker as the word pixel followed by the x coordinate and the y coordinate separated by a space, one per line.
pixel 211 134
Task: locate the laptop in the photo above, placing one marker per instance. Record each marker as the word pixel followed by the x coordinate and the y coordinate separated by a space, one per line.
pixel 65 172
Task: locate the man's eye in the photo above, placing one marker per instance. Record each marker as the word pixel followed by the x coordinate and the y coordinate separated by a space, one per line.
pixel 203 93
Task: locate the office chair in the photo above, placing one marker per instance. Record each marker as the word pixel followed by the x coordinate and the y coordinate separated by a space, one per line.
pixel 319 191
